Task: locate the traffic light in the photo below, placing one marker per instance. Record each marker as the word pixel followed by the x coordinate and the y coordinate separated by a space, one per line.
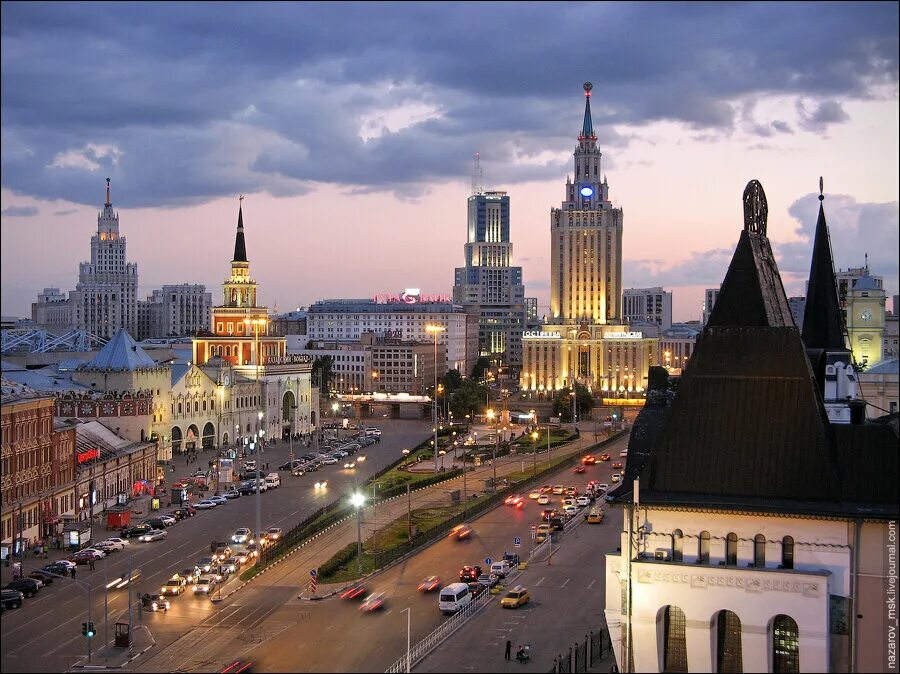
pixel 84 629
pixel 87 629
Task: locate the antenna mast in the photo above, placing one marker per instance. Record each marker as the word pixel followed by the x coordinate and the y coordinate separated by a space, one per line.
pixel 477 176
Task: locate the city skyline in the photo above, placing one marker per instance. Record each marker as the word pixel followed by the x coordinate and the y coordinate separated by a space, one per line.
pixel 822 109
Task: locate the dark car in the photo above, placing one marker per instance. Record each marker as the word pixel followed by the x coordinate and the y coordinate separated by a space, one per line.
pixel 10 599
pixel 27 586
pixel 156 523
pixel 556 523
pixel 138 530
pixel 246 488
pixel 82 557
pixel 184 512
pixel 476 588
pixel 154 602
pixel 56 568
pixel 42 576
pixel 469 573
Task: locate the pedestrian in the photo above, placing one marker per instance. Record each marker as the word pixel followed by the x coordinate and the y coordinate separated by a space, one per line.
pixel 58 543
pixel 72 572
pixel 91 563
pixel 508 649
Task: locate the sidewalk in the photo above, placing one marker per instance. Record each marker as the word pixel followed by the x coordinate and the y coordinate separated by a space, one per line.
pixel 113 657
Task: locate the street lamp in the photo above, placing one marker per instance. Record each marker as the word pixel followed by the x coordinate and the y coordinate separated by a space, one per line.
pixel 358 500
pixel 375 376
pixel 435 330
pixel 534 439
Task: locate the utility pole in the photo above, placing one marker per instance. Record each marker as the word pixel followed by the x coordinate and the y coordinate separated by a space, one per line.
pixel 408 514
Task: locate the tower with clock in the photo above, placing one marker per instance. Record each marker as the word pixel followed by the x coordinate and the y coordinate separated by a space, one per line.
pixel 865 320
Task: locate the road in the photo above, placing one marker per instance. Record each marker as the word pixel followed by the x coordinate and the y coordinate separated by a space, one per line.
pixel 279 632
pixel 45 634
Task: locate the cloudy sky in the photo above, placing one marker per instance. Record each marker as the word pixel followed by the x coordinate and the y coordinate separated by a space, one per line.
pixel 351 128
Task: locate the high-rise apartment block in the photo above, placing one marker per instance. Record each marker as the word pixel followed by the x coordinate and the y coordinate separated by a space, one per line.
pixel 647 305
pixel 489 283
pixel 709 302
pixel 175 311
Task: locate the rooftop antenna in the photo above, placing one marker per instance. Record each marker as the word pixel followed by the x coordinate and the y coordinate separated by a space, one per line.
pixel 477 176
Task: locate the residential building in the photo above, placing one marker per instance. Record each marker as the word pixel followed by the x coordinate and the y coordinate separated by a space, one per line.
pixel 753 535
pixel 797 306
pixel 891 340
pixel 584 338
pixel 489 284
pixel 403 316
pixel 879 386
pixel 404 367
pixel 38 477
pixel 175 311
pixel 649 305
pixel 52 311
pixel 351 364
pixel 710 295
pixel 532 317
pixel 676 345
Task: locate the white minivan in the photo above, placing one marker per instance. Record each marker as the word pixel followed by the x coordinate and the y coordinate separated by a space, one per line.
pixel 454 597
pixel 500 568
pixel 273 481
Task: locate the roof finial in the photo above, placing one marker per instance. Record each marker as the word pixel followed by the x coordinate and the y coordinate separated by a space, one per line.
pixel 867 263
pixel 587 128
pixel 108 202
pixel 821 189
pixel 756 208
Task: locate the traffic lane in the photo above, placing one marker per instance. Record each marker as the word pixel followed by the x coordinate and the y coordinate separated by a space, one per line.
pixel 383 634
pixel 284 506
pixel 566 604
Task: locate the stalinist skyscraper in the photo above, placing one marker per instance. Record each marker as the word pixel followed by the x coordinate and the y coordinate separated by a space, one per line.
pixel 585 340
pixel 586 239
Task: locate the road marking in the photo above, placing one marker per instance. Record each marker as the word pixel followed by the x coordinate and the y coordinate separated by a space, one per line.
pixel 592 584
pixel 567 582
pixel 540 581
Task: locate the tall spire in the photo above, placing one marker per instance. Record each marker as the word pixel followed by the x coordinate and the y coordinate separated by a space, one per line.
pixel 587 129
pixel 240 248
pixel 822 320
pixel 108 200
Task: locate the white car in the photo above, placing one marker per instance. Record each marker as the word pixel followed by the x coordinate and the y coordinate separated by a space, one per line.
pixel 570 509
pixel 98 554
pixel 583 501
pixel 204 584
pixel 543 499
pixel 602 487
pixel 205 504
pixel 329 461
pixel 616 477
pixel 219 500
pixel 154 535
pixel 168 520
pixel 123 542
pixel 241 535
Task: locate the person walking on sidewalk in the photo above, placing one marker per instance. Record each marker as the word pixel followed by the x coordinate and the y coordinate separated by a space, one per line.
pixel 72 572
pixel 91 563
pixel 508 649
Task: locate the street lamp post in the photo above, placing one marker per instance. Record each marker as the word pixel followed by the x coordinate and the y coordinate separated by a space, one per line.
pixel 534 438
pixel 291 435
pixel 358 500
pixel 435 330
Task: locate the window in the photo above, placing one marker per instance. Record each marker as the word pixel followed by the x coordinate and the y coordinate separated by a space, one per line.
pixel 677 546
pixel 787 552
pixel 674 644
pixel 731 549
pixel 728 643
pixel 703 553
pixel 759 550
pixel 785 645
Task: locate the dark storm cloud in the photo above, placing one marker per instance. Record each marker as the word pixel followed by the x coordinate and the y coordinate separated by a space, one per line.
pixel 181 102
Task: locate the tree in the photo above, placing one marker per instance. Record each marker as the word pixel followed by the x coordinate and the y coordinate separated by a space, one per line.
pixel 323 374
pixel 482 364
pixel 562 403
pixel 468 398
pixel 452 381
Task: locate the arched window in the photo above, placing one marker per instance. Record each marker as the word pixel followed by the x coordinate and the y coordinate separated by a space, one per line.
pixel 759 550
pixel 728 643
pixel 731 549
pixel 785 645
pixel 674 643
pixel 179 408
pixel 677 546
pixel 787 553
pixel 703 553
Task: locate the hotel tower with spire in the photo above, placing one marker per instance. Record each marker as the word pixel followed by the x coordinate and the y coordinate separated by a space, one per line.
pixel 585 339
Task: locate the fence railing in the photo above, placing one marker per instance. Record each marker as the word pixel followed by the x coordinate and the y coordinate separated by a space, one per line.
pixel 437 636
pixel 582 655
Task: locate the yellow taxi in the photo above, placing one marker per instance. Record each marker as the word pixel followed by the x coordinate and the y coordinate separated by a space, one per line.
pixel 516 597
pixel 595 516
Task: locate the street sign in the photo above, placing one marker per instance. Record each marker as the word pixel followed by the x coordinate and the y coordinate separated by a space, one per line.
pixel 518 541
pixel 313 573
pixel 488 561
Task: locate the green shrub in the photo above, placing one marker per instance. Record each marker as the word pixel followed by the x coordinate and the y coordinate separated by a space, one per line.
pixel 337 560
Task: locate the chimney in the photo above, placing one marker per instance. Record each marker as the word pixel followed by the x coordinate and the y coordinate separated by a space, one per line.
pixel 857 412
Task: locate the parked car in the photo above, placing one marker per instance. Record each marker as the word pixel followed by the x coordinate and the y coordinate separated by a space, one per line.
pixel 27 586
pixel 61 567
pixel 106 547
pixel 184 512
pixel 219 500
pixel 119 543
pixel 488 579
pixel 206 504
pixel 42 576
pixel 138 530
pixel 10 599
pixel 157 522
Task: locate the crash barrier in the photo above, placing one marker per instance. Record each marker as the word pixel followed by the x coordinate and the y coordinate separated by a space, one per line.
pixel 439 635
pixel 588 653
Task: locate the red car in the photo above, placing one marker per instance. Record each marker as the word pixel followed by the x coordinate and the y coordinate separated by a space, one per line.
pixel 82 557
pixel 579 469
pixel 604 457
pixel 430 584
pixel 617 464
pixel 588 460
pixel 354 592
pixel 469 573
pixel 513 500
